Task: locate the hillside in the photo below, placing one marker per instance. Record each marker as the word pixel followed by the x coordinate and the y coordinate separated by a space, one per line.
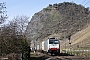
pixel 82 38
pixel 79 40
pixel 66 17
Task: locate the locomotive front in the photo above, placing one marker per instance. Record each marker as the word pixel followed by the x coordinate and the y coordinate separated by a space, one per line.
pixel 54 46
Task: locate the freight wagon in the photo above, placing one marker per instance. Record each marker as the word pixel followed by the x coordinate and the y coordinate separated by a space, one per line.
pixel 40 47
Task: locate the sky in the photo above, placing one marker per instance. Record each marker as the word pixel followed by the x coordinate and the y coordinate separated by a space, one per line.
pixel 30 7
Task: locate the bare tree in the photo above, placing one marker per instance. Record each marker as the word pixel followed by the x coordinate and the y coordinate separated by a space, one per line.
pixel 21 22
pixel 8 39
pixel 9 35
pixel 3 15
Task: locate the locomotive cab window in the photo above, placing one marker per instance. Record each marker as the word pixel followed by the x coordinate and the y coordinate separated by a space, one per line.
pixel 53 41
pixel 50 41
pixel 56 42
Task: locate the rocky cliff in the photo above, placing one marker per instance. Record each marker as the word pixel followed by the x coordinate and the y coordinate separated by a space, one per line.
pixel 58 18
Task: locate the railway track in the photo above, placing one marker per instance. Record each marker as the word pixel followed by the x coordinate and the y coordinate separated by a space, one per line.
pixel 62 57
pixel 59 57
pixel 66 58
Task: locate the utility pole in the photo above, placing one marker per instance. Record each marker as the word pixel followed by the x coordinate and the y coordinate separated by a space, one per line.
pixel 64 30
pixel 69 38
pixel 65 40
pixel 34 46
pixel 0 43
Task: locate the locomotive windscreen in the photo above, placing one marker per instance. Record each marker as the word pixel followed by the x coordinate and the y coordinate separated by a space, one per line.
pixel 53 41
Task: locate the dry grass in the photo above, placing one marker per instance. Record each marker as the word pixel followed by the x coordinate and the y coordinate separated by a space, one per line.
pixel 79 41
pixel 80 38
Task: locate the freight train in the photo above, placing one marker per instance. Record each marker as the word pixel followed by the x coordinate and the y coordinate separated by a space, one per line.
pixel 51 45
